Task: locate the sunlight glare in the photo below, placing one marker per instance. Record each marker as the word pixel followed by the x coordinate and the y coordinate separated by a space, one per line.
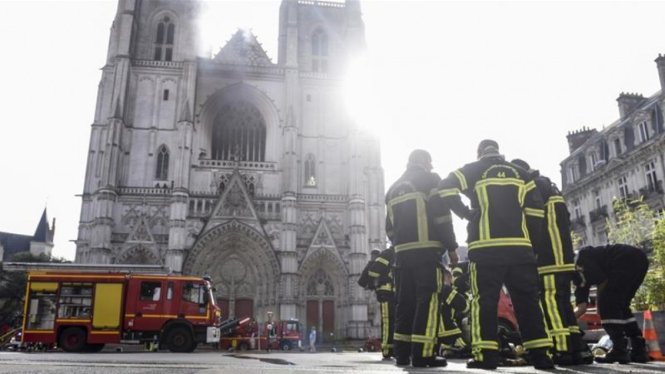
pixel 366 102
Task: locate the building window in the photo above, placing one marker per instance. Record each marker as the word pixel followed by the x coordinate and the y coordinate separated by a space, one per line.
pixel 598 200
pixel 623 187
pixel 643 131
pixel 239 133
pixel 164 40
pixel 577 211
pixel 592 161
pixel 166 95
pixel 617 147
pixel 319 52
pixel 162 170
pixel 573 173
pixel 310 171
pixel 651 176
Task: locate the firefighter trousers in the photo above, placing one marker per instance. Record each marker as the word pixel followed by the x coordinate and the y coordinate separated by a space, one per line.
pixel 417 310
pixel 387 326
pixel 615 297
pixel 521 280
pixel 558 310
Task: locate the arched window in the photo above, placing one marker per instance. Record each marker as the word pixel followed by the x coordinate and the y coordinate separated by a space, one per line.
pixel 320 284
pixel 320 52
pixel 164 39
pixel 310 171
pixel 239 133
pixel 162 170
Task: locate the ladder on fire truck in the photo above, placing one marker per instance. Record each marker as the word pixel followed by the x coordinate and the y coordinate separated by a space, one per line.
pixel 96 268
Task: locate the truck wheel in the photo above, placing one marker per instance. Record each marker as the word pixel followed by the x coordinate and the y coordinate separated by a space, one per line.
pixel 94 348
pixel 179 339
pixel 285 345
pixel 72 340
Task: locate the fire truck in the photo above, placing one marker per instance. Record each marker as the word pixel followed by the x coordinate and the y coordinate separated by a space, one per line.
pixel 82 311
pixel 284 335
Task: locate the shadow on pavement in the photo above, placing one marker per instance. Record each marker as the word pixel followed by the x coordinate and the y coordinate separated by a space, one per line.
pixel 276 361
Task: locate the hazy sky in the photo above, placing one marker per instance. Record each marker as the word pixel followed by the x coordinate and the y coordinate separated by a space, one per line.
pixel 443 76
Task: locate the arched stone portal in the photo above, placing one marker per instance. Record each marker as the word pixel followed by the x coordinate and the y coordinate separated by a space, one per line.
pixel 324 294
pixel 243 267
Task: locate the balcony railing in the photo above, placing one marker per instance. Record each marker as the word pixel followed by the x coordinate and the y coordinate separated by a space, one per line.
pixel 598 213
pixel 652 191
pixel 577 223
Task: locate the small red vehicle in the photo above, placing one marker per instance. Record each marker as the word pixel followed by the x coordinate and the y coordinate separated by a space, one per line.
pixel 284 335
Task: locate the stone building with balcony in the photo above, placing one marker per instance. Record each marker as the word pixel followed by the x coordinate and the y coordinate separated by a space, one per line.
pixel 625 160
pixel 235 166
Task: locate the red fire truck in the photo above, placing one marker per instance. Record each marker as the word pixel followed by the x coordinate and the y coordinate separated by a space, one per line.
pixel 284 335
pixel 83 311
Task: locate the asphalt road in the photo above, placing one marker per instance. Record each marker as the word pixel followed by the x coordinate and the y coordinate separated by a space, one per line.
pixel 209 362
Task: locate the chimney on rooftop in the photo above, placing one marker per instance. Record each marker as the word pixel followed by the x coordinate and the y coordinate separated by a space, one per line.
pixel 660 63
pixel 628 102
pixel 579 137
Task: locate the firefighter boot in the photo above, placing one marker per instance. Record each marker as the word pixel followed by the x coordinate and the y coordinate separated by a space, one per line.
pixel 489 362
pixel 619 352
pixel 563 358
pixel 541 359
pixel 638 350
pixel 581 353
pixel 432 362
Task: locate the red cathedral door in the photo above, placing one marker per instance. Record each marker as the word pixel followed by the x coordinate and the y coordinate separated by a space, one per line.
pixel 244 308
pixel 312 317
pixel 224 306
pixel 328 320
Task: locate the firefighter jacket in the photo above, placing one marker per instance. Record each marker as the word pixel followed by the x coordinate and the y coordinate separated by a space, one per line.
pixel 365 281
pixel 417 219
pixel 554 252
pixel 382 271
pixel 506 210
pixel 595 265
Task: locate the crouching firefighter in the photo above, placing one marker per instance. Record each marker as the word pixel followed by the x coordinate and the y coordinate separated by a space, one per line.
pixel 618 271
pixel 382 273
pixel 453 304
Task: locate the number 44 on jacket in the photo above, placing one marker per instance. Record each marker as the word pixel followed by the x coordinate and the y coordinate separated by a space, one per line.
pixel 83 311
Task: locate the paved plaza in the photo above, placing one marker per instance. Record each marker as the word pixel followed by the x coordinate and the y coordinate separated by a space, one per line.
pixel 254 363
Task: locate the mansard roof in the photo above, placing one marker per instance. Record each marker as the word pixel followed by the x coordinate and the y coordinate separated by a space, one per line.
pixel 243 49
pixel 600 136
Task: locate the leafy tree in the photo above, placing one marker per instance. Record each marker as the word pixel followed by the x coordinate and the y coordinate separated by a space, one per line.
pixel 13 285
pixel 637 225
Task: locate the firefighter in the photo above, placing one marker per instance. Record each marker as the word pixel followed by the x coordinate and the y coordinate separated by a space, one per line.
pixel 618 271
pixel 556 266
pixel 453 303
pixel 381 271
pixel 420 227
pixel 365 281
pixel 506 214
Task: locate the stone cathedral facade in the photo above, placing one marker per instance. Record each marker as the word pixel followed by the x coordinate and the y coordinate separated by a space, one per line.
pixel 235 166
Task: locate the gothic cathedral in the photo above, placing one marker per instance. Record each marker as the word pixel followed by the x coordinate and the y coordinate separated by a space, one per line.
pixel 237 167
